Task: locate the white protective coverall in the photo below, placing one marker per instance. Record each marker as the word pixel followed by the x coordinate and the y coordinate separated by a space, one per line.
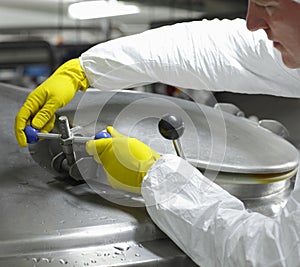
pixel 206 222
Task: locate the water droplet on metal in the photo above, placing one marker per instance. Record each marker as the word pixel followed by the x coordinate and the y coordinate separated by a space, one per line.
pixel 106 254
pixel 137 255
pixel 36 259
pixel 99 254
pixel 86 264
pixel 93 261
pixel 46 260
pixel 122 247
pixel 63 261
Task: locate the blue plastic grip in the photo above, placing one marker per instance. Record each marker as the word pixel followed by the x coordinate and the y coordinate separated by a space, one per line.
pixel 101 135
pixel 31 134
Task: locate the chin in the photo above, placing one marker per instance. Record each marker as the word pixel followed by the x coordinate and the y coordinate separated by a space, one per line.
pixel 291 63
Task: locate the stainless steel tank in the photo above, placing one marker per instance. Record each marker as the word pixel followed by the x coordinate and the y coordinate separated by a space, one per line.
pixel 244 158
pixel 49 217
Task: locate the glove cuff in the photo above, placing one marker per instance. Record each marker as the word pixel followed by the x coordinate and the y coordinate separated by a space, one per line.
pixel 73 69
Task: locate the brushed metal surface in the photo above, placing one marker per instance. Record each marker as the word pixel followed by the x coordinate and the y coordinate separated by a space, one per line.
pixel 212 140
pixel 46 221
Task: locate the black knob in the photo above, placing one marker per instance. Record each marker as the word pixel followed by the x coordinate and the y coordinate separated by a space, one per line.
pixel 171 127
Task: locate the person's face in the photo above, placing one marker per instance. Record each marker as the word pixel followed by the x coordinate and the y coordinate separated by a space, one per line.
pixel 280 19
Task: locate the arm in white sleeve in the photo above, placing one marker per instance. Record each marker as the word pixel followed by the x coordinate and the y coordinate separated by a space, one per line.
pixel 211 55
pixel 212 226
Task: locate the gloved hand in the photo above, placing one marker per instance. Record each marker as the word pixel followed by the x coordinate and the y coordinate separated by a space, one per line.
pixel 125 160
pixel 41 104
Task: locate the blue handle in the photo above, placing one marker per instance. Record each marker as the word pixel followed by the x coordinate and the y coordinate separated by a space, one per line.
pixel 31 135
pixel 101 135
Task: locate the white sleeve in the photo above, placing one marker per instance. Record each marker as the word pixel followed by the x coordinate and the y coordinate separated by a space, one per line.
pixel 211 55
pixel 212 226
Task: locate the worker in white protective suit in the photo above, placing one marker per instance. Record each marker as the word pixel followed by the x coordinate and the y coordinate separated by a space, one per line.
pixel 206 222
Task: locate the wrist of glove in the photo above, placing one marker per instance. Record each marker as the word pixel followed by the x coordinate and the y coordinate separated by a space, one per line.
pixel 125 160
pixel 41 104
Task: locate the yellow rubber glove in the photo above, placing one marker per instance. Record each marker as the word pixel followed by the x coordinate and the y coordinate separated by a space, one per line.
pixel 41 104
pixel 125 160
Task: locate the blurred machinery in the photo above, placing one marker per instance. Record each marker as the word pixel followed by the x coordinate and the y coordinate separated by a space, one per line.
pixel 37 36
